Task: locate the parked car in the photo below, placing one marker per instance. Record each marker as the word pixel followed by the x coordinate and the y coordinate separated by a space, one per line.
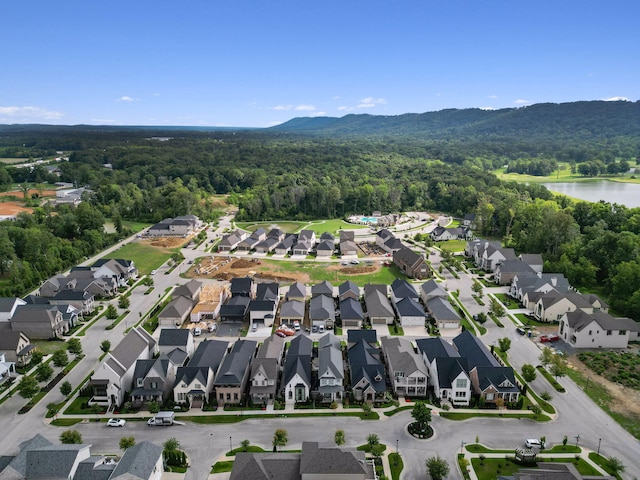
pixel 254 327
pixel 153 272
pixel 296 325
pixel 116 422
pixel 521 330
pixel 534 443
pixel 197 332
pixel 281 334
pixel 320 328
pixel 212 327
pixel 549 338
pixel 314 329
pixel 286 330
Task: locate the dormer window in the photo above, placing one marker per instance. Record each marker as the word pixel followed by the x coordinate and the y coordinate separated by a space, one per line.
pixel 140 382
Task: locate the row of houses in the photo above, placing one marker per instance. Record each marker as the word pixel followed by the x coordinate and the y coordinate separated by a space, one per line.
pixel 276 241
pixel 319 305
pixel 173 369
pixel 583 319
pixel 181 226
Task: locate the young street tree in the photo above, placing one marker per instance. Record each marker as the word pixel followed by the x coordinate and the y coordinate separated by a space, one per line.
pixel 529 372
pixel 558 365
pixel 111 313
pixel 339 437
pixel 105 346
pixel 172 444
pixel 28 387
pixel 546 356
pixel 60 358
pixel 496 308
pixel 372 440
pixel 74 346
pixel 280 438
pixel 422 415
pixel 65 388
pixel 126 442
pixel 504 344
pixel 44 372
pixel 70 437
pixel 437 468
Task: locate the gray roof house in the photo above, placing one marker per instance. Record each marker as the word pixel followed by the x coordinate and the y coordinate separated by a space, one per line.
pixel 313 462
pixel 265 370
pixel 400 289
pixel 15 347
pixel 142 461
pixel 262 312
pixel 194 382
pixel 508 269
pixel 153 380
pixel 268 291
pixel 330 369
pixel 443 313
pixel 8 306
pixel 39 321
pixel 348 289
pixel 176 338
pixel 190 290
pixel 351 313
pixel 410 263
pixel 286 244
pixel 432 289
pixel 448 375
pixel 322 311
pixel 292 310
pixel 367 371
pixel 379 309
pixel 114 376
pixel 410 312
pixel 347 243
pixel 297 291
pixel 175 313
pixel 406 368
pixel 296 377
pixel 231 380
pixel 322 288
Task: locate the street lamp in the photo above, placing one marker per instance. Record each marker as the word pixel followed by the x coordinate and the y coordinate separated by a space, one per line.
pixel 462 444
pixel 230 448
pixel 577 439
pixel 599 442
pixel 396 446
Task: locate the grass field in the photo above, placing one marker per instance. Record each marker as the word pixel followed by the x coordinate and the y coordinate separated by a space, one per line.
pixel 563 175
pixel 318 226
pixel 10 161
pixel 452 245
pixel 146 257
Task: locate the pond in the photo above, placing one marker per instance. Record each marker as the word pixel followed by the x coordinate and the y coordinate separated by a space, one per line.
pixel 627 194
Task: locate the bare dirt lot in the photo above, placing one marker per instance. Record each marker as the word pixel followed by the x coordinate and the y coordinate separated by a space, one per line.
pixel 166 242
pixel 625 401
pixel 226 268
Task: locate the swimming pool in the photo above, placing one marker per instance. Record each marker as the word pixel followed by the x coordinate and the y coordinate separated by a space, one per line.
pixel 368 219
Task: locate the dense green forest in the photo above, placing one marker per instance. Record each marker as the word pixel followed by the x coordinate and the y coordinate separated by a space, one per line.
pixel 278 174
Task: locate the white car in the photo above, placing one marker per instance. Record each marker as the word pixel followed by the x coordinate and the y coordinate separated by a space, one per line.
pixel 116 422
pixel 533 443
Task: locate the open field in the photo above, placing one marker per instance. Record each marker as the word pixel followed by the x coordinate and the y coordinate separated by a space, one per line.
pixel 11 161
pixel 146 255
pixel 284 271
pixel 453 246
pixel 563 175
pixel 318 226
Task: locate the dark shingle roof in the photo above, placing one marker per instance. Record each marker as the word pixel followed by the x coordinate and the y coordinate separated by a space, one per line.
pixel 138 461
pixel 235 364
pixel 476 353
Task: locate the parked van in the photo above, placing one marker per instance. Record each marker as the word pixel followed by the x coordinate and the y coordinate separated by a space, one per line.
pixel 320 328
pixel 197 332
pixel 162 419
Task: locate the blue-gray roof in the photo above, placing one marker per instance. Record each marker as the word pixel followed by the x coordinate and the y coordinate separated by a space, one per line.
pixel 351 309
pixel 138 461
pixel 476 353
pixel 235 364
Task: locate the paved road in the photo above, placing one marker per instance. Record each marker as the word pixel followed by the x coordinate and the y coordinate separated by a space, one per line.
pixel 577 414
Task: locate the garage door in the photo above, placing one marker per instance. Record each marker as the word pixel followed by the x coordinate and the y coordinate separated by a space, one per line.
pixel 378 321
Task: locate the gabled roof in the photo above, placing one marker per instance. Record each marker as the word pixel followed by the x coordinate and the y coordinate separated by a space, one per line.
pixel 514 266
pixel 178 307
pixel 241 286
pixel 531 258
pixel 268 291
pixel 409 307
pixel 130 348
pixel 209 354
pixel 369 336
pixel 348 287
pixel 501 378
pixel 476 353
pixel 378 305
pixel 298 360
pixel 235 364
pixel 435 347
pixel 408 256
pixel 138 462
pixel 189 375
pixel 578 320
pixel 292 308
pixel 266 466
pixel 325 246
pixel 262 306
pixel 300 345
pixel 322 307
pixel 10 339
pixel 328 462
pixel 271 347
pixel 174 337
pixel 351 309
pixel 441 310
pixel 450 368
pixel 188 290
pixel 297 290
pixel 403 289
pixel 433 289
pixel 275 233
pixel 401 356
pixel 322 288
pixel 287 242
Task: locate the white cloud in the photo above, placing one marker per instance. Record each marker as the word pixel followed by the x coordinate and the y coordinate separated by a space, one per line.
pixel 617 99
pixel 370 102
pixel 493 97
pixel 283 107
pixel 126 98
pixel 305 108
pixel 344 108
pixel 30 112
pixel 520 101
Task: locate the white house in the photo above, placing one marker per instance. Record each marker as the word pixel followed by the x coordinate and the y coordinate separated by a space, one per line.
pixel 596 330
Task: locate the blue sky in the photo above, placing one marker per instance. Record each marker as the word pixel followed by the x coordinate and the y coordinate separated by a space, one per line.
pixel 259 63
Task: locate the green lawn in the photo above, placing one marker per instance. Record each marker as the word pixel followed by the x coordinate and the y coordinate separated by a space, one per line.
pixel 563 175
pixel 145 256
pixel 489 468
pixel 49 346
pixel 285 226
pixel 318 226
pixel 452 245
pixel 221 467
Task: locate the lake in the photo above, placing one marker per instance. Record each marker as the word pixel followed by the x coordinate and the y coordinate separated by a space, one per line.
pixel 627 194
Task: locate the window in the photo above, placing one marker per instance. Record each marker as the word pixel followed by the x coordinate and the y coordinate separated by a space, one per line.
pixel 221 396
pixel 235 396
pixel 590 332
pixel 197 385
pixel 622 332
pixel 489 396
pixel 228 396
pixel 461 383
pixel 461 394
pixel 608 332
pixel 140 382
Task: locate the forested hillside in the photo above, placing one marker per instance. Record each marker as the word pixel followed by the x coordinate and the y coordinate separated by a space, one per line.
pixel 150 174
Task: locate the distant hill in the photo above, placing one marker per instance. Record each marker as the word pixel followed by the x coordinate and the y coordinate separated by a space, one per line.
pixel 576 120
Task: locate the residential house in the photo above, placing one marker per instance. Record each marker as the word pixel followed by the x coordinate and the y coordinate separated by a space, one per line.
pixel 322 311
pixel 80 279
pixel 582 329
pixel 83 301
pixel 442 313
pixel 119 269
pixel 175 313
pixel 400 289
pixel 39 321
pixel 347 244
pixel 432 289
pixel 267 245
pixel 153 380
pixel 8 306
pixel 382 237
pixel 292 310
pixel 493 382
pixel 179 226
pixel 114 377
pixel 194 382
pixel 551 306
pixel 231 380
pixel 268 291
pixel 286 244
pixel 230 241
pixel 508 269
pixel 330 369
pixel 412 264
pixel 325 248
pixel 235 310
pixel 297 291
pixel 16 348
pixel 6 368
pixel 348 289
pixel 351 313
pixel 489 255
pixel 296 377
pixel 379 309
pixel 440 234
pixel 306 241
pixel 142 461
pixel 265 371
pixel 534 260
pixel 211 297
pixel 366 368
pixel 190 290
pixel 313 462
pixel 524 284
pixel 410 312
pixel 172 339
pixel 406 368
pixel 469 220
pixel 322 288
pixel 242 287
pixel 262 312
pixel 448 377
